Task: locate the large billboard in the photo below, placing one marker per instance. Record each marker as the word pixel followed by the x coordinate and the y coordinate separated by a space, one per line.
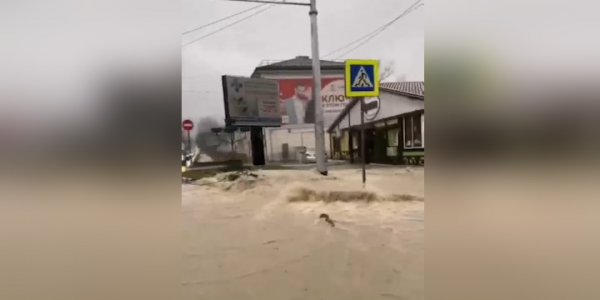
pixel 251 101
pixel 296 99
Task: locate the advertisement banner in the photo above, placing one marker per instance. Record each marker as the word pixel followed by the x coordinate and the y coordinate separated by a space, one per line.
pixel 296 99
pixel 251 102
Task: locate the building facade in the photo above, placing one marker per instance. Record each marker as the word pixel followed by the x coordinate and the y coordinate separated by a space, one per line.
pixel 394 127
pixel 295 77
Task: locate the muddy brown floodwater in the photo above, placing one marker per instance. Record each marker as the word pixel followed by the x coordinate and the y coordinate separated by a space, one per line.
pixel 261 237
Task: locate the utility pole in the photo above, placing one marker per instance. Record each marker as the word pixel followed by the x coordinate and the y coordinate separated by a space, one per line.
pixel 316 66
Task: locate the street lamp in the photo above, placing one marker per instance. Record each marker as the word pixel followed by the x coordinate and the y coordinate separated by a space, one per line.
pixel 316 66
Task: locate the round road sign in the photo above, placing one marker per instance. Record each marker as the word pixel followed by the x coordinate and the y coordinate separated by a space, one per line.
pixel 188 125
pixel 372 106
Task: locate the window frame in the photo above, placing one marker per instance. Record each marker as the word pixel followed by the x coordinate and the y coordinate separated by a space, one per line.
pixel 411 117
pixel 414 130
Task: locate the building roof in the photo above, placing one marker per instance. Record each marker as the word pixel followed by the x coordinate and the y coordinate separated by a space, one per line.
pixel 411 89
pixel 300 63
pixel 416 89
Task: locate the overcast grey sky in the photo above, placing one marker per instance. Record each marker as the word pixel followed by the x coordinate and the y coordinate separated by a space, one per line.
pixel 283 32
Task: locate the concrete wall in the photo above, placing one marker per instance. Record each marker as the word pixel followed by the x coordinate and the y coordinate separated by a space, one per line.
pixel 294 136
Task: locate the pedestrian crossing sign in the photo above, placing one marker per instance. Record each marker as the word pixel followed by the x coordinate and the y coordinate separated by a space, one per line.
pixel 362 78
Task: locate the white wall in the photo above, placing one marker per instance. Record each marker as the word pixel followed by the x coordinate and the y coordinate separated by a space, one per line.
pixel 390 105
pixel 294 136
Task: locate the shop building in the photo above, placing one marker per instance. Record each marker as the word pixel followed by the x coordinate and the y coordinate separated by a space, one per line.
pixel 394 126
pixel 295 78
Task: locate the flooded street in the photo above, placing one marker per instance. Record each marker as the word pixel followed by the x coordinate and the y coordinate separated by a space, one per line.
pixel 260 237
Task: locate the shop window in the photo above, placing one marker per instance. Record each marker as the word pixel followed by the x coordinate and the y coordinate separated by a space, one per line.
pixel 416 128
pixel 413 133
pixel 423 129
pixel 407 122
pixel 392 138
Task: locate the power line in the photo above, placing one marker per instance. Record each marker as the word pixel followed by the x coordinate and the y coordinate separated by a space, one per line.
pixel 229 25
pixel 371 37
pixel 223 19
pixel 376 31
pixel 381 29
pixel 365 38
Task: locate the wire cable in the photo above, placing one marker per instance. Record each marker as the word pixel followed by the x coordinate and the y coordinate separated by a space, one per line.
pixel 227 26
pixel 366 38
pixel 370 38
pixel 223 19
pixel 378 30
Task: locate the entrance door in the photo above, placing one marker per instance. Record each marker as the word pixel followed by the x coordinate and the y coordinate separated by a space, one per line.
pixel 285 152
pixel 337 148
pixel 380 146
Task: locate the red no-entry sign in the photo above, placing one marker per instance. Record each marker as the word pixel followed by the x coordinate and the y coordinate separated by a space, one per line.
pixel 188 125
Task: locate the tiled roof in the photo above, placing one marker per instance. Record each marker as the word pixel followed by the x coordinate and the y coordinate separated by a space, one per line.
pixel 414 88
pixel 301 62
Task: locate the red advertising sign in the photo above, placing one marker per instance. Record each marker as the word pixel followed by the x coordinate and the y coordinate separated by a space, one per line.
pixel 188 125
pixel 296 99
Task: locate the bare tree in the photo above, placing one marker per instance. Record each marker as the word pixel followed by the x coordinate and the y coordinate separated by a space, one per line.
pixel 401 78
pixel 388 70
pixel 214 141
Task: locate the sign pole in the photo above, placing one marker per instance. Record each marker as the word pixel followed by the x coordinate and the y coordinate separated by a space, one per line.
pixel 363 151
pixel 189 141
pixel 362 80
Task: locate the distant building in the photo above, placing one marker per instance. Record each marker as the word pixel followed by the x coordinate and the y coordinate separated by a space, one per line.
pixel 394 126
pixel 295 77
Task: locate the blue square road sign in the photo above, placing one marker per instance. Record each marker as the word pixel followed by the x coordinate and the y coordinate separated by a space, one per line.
pixel 362 78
